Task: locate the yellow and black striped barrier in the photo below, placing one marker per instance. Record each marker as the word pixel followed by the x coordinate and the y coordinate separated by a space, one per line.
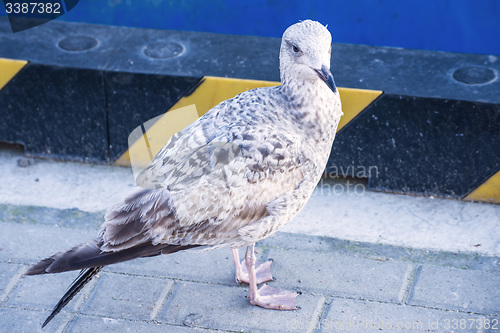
pixel 440 137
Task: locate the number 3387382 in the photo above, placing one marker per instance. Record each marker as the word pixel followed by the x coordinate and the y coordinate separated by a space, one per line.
pixel 33 8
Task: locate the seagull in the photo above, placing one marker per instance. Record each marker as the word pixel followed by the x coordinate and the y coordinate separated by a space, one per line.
pixel 231 178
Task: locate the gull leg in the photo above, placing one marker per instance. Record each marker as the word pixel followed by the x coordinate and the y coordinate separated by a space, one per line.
pixel 238 272
pixel 266 297
pixel 262 270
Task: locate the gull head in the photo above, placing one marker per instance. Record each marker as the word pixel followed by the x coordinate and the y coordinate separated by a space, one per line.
pixel 305 54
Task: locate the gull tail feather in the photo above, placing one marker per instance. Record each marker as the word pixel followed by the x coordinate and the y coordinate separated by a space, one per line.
pixel 82 279
pixel 88 255
pixel 76 258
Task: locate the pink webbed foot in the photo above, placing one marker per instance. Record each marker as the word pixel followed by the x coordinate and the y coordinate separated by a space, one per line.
pixel 272 298
pixel 266 297
pixel 262 270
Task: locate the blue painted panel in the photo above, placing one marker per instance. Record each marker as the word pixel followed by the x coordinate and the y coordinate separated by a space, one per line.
pixel 471 26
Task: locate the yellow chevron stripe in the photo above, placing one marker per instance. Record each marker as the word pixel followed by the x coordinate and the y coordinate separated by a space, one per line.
pixel 144 146
pixel 354 101
pixel 214 90
pixel 489 191
pixel 208 94
pixel 8 69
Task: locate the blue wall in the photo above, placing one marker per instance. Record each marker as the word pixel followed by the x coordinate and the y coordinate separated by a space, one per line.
pixel 471 26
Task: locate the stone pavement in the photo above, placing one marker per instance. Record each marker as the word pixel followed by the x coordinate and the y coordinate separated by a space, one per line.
pixel 344 285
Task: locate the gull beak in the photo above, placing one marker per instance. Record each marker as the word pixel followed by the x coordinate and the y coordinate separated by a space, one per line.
pixel 325 75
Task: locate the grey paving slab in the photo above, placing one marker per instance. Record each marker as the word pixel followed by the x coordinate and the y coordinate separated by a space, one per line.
pixel 103 324
pixel 465 260
pixel 209 266
pixel 42 292
pixel 7 273
pixel 125 296
pixel 32 242
pixel 348 315
pixel 227 308
pixel 333 274
pixel 16 320
pixel 457 289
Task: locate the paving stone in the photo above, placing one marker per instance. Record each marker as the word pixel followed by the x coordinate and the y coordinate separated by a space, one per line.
pixel 464 260
pixel 208 266
pixel 15 320
pixel 348 315
pixel 110 325
pixel 333 274
pixel 42 292
pixel 7 272
pixel 227 308
pixel 125 296
pixel 32 242
pixel 457 289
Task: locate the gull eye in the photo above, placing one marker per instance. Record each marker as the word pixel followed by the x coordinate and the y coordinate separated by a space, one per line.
pixel 295 48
